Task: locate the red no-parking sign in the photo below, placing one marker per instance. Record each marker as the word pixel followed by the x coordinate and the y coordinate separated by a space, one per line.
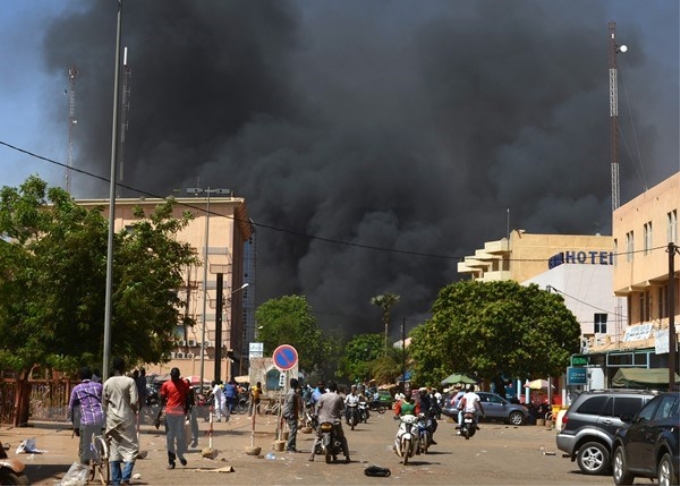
pixel 285 357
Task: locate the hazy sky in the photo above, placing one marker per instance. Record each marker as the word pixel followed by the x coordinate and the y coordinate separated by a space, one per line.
pixel 405 125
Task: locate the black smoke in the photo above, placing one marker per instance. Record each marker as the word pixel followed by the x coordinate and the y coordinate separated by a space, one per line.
pixel 389 124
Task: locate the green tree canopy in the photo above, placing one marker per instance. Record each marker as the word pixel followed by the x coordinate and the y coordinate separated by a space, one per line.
pixel 53 280
pixel 489 328
pixel 359 356
pixel 385 302
pixel 289 320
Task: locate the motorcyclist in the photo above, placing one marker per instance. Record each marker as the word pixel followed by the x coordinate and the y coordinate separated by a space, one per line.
pixel 470 402
pixel 329 408
pixel 352 399
pixel 429 407
pixel 406 406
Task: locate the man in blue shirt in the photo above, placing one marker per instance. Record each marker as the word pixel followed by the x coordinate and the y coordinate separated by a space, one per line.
pixel 85 410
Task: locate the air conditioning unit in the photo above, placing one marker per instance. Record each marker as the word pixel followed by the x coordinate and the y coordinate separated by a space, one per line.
pixel 191 343
pixel 179 355
pixel 210 344
pixel 181 343
pixel 173 355
pixel 190 355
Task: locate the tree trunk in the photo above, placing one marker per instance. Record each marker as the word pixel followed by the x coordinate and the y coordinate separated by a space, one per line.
pixel 22 400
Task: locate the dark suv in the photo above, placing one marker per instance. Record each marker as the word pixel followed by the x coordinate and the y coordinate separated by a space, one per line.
pixel 649 446
pixel 589 425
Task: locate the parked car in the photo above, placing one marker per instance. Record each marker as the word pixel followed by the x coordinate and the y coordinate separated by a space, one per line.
pixel 495 408
pixel 588 426
pixel 648 447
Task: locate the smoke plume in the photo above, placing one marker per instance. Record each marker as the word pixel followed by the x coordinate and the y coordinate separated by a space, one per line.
pixel 387 124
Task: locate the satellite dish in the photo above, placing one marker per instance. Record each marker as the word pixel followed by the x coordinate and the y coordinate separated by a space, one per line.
pixel 623 48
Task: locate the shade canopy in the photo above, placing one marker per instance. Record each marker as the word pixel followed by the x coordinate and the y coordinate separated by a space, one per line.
pixel 538 385
pixel 642 377
pixel 457 378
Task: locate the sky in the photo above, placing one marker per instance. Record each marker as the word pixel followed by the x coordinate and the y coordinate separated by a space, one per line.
pixel 376 143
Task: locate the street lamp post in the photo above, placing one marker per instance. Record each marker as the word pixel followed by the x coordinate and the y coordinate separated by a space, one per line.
pixel 198 191
pixel 218 319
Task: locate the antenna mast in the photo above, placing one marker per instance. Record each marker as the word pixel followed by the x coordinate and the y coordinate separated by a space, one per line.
pixel 72 75
pixel 125 105
pixel 614 49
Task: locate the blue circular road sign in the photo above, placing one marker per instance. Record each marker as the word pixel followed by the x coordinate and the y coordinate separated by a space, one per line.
pixel 285 357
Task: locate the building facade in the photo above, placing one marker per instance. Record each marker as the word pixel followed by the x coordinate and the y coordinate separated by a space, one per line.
pixel 220 230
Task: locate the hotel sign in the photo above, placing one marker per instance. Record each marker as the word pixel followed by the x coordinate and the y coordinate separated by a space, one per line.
pixel 591 257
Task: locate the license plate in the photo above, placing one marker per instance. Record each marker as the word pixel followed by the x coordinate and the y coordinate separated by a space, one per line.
pixel 468 421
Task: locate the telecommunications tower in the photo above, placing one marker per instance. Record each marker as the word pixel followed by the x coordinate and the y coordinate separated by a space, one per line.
pixel 72 121
pixel 614 49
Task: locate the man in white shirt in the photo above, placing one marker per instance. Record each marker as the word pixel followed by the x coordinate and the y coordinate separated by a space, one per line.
pixel 470 402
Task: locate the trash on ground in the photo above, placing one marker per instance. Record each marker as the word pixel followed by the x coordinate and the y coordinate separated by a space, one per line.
pixel 75 476
pixel 28 447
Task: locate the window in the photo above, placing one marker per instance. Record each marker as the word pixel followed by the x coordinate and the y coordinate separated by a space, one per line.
pixel 601 323
pixel 672 226
pixel 648 410
pixel 648 238
pixel 592 406
pixel 616 252
pixel 663 301
pixel 668 407
pixel 627 405
pixel 645 301
pixel 630 246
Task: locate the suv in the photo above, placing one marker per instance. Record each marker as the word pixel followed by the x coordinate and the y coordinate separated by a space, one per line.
pixel 649 446
pixel 589 425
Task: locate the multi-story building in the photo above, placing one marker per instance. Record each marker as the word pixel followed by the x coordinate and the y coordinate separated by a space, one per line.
pixel 220 231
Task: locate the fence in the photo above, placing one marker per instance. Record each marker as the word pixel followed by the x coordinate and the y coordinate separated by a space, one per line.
pixel 48 400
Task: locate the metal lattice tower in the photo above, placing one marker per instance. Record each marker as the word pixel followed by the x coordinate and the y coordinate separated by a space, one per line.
pixel 614 116
pixel 72 121
pixel 125 105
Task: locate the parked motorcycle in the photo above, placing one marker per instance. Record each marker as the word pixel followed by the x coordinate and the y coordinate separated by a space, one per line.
pixel 425 431
pixel 406 443
pixel 331 446
pixel 363 412
pixel 469 425
pixel 11 470
pixel 352 414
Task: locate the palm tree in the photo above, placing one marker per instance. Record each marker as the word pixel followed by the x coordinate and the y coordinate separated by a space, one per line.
pixel 385 302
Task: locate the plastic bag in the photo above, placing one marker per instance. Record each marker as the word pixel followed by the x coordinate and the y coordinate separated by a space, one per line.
pixel 76 475
pixel 377 471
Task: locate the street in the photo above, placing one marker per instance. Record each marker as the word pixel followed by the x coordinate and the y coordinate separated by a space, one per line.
pixel 497 454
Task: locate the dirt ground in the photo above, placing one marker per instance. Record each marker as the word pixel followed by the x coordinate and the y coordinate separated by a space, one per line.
pixel 499 454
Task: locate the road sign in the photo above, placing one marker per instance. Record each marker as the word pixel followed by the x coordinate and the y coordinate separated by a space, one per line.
pixel 285 357
pixel 577 376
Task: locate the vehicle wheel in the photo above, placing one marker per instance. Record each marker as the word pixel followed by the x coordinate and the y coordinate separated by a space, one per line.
pixel 516 418
pixel 381 409
pixel 620 473
pixel 8 477
pixel 593 458
pixel 351 421
pixel 407 450
pixel 426 443
pixel 466 433
pixel 666 472
pixel 327 454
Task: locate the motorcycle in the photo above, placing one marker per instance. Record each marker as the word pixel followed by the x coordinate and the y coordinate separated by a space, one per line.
pixel 11 470
pixel 352 414
pixel 406 443
pixel 469 425
pixel 330 444
pixel 363 412
pixel 425 431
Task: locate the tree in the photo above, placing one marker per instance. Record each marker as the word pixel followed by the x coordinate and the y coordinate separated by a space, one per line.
pixel 385 302
pixel 53 275
pixel 489 328
pixel 289 320
pixel 359 355
pixel 388 367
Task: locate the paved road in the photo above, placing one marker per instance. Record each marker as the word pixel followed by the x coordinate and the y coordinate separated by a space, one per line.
pixel 498 455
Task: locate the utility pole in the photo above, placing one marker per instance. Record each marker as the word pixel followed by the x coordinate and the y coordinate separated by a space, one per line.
pixel 672 363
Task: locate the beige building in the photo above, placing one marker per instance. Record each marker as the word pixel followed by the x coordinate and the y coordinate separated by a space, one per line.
pixel 228 230
pixel 642 231
pixel 525 255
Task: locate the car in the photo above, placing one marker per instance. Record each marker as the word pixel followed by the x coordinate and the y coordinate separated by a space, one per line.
pixel 589 424
pixel 495 408
pixel 648 447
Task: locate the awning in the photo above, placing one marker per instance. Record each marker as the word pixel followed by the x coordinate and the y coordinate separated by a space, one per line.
pixel 242 379
pixel 641 377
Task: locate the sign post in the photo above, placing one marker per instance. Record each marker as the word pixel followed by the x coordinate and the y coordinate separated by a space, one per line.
pixel 285 358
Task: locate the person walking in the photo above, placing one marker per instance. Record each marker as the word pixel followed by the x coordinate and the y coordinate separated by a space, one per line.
pixel 174 400
pixel 329 408
pixel 191 405
pixel 255 393
pixel 85 410
pixel 291 412
pixel 119 403
pixel 218 400
pixel 140 380
pixel 230 396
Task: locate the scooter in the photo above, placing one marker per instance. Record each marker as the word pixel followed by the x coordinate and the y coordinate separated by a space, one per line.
pixel 331 446
pixel 11 470
pixel 406 443
pixel 424 424
pixel 363 412
pixel 469 425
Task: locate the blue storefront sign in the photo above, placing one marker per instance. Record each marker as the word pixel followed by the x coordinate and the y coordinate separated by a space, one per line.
pixel 577 376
